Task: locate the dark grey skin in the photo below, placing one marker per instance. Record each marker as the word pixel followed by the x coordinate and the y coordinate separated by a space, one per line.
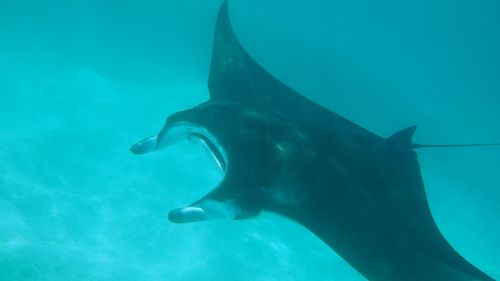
pixel 360 193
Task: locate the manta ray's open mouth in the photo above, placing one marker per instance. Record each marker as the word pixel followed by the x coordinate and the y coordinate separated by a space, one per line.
pixel 204 208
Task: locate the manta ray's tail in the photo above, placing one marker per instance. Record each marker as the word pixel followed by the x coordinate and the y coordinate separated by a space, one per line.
pixel 402 140
pixel 417 146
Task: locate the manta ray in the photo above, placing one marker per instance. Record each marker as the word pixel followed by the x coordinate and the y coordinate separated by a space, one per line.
pixel 362 194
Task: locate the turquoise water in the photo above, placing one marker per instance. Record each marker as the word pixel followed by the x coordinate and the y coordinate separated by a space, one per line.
pixel 82 81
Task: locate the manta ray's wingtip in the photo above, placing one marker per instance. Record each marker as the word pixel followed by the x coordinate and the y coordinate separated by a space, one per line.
pixel 224 4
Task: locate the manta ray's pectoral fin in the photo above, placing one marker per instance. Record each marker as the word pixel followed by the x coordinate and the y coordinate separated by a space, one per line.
pixel 205 209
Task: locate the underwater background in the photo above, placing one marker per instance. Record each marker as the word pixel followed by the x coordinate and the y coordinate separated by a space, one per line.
pixel 83 80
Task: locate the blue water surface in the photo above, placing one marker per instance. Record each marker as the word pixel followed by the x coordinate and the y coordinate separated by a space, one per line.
pixel 83 80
